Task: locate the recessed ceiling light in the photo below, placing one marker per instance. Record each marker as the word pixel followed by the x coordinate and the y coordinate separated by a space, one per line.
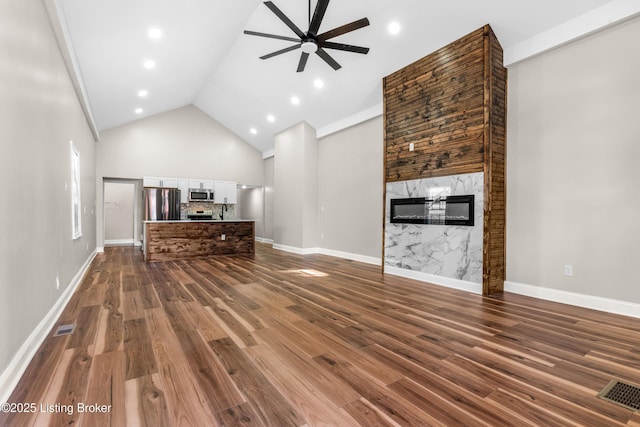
pixel 271 118
pixel 319 84
pixel 142 93
pixel 253 131
pixel 295 100
pixel 149 64
pixel 394 28
pixel 139 110
pixel 154 33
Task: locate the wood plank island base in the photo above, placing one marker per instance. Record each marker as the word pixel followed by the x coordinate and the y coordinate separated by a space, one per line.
pixel 167 240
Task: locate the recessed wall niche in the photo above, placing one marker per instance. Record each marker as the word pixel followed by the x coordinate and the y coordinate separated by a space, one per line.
pixel 450 109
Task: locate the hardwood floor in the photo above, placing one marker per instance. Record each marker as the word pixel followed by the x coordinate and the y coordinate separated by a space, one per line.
pixel 280 340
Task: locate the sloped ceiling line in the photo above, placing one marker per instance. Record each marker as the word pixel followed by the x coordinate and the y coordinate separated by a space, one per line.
pixel 205 59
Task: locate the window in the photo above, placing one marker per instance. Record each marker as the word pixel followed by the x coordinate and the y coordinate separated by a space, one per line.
pixel 76 209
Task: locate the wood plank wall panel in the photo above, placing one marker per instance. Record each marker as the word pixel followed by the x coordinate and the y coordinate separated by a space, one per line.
pixel 174 240
pixel 494 253
pixel 451 105
pixel 438 104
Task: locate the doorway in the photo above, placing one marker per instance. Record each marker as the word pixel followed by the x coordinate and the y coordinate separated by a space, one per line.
pixel 119 213
pixel 251 206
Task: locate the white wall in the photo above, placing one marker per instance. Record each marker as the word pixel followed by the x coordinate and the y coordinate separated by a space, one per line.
pixel 119 212
pixel 296 188
pixel 350 189
pixel 573 172
pixel 183 143
pixel 309 196
pixel 39 115
pixel 326 194
pixel 251 206
pixel 269 194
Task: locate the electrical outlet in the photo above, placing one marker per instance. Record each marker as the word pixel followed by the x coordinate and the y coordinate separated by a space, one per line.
pixel 568 270
pixel 412 146
pixel 57 283
pixel 223 237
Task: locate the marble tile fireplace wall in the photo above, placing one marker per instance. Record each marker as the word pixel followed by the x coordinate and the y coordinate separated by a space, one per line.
pixel 449 253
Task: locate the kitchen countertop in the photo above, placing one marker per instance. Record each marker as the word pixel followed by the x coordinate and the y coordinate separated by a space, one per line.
pixel 201 220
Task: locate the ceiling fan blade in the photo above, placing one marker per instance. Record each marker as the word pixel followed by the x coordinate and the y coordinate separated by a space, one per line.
pixel 278 52
pixel 284 19
pixel 328 59
pixel 355 25
pixel 346 47
pixel 318 15
pixel 271 36
pixel 303 62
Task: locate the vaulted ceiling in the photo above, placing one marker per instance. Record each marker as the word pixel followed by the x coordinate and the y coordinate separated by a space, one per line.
pixel 203 57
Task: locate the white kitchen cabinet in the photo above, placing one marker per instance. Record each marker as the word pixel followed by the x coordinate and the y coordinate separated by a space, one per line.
pixel 149 181
pixel 232 192
pixel 153 181
pixel 202 184
pixel 225 192
pixel 183 186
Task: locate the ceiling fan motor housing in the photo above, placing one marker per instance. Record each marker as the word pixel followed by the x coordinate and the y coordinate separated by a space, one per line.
pixel 309 46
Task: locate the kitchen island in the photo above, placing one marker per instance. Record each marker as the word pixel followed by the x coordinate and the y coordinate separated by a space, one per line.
pixel 167 240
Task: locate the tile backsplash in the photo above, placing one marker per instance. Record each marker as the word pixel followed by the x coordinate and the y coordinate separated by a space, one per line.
pixel 229 213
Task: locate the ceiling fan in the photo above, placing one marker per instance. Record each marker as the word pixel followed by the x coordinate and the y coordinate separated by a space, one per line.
pixel 312 42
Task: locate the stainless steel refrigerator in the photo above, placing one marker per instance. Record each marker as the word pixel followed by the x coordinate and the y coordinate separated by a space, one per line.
pixel 161 204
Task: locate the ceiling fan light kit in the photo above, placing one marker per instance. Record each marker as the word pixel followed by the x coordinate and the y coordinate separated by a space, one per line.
pixel 312 42
pixel 309 46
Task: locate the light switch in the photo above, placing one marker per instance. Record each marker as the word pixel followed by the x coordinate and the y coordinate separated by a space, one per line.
pixel 411 146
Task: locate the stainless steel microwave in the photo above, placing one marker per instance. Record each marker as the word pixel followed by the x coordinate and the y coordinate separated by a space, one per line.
pixel 200 195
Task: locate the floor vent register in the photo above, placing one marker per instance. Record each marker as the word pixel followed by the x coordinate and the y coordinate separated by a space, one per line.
pixel 65 330
pixel 623 394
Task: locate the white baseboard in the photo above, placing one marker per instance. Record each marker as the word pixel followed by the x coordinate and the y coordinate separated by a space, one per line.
pixel 294 250
pixel 461 285
pixel 263 240
pixel 329 252
pixel 100 249
pixel 12 373
pixel 572 298
pixel 119 242
pixel 348 255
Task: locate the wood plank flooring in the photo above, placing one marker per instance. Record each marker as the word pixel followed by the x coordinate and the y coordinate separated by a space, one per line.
pixel 276 339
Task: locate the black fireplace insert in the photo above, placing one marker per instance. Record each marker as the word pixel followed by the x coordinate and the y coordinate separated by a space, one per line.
pixel 450 210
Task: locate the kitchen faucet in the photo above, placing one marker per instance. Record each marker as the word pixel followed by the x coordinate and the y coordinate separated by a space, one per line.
pixel 224 208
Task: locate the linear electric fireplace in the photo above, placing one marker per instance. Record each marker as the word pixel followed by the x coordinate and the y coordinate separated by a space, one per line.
pixel 450 210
